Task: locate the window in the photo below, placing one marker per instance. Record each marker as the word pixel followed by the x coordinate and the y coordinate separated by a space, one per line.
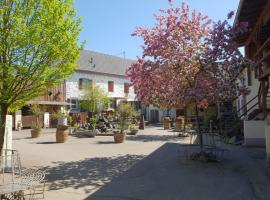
pixel 126 88
pixel 110 86
pixel 84 82
pixel 73 103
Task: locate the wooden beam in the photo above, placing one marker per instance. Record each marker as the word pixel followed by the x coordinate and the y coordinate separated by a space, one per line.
pixel 265 44
pixel 265 15
pixel 265 74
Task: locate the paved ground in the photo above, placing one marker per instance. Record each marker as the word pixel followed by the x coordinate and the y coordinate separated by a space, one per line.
pixel 82 165
pixel 148 166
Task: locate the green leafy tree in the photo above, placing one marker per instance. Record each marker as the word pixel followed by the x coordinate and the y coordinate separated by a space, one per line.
pixel 124 112
pixel 38 50
pixel 94 99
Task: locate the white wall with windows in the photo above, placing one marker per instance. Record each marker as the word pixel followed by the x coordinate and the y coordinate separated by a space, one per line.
pixel 118 87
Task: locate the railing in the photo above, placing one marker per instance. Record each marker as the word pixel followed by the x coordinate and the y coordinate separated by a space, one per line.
pixel 261 103
pixel 250 108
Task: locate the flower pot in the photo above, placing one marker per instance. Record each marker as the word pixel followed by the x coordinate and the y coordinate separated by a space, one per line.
pixel 92 133
pixel 133 131
pixel 119 137
pixel 62 134
pixel 35 133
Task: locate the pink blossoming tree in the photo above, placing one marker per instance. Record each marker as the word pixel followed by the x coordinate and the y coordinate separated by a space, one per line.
pixel 187 60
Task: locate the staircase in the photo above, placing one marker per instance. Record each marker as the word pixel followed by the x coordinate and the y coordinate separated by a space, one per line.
pixel 258 105
pixel 229 123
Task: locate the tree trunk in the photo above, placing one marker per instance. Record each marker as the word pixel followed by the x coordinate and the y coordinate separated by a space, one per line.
pixel 198 127
pixel 3 114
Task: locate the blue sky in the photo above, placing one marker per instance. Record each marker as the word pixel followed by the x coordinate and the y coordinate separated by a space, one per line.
pixel 107 24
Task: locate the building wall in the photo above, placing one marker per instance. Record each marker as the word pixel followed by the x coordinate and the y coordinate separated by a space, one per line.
pixel 73 91
pixel 161 113
pixel 54 94
pixel 254 132
pixel 254 88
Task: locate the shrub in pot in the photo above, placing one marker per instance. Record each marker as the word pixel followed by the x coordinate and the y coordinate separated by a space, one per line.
pixel 93 130
pixel 62 130
pixel 124 113
pixel 36 130
pixel 133 129
pixel 37 112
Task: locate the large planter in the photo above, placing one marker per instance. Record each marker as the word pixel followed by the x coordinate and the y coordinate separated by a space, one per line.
pixel 167 123
pixel 179 122
pixel 93 133
pixel 35 133
pixel 62 133
pixel 133 131
pixel 119 137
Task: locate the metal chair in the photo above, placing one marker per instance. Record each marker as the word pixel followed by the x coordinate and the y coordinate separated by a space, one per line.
pixel 16 181
pixel 10 166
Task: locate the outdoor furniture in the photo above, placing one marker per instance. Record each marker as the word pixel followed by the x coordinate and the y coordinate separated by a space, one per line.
pixel 15 181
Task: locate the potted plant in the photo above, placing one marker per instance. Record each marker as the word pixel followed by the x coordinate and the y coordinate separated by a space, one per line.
pixel 124 112
pixel 133 129
pixel 62 118
pixel 93 130
pixel 62 130
pixel 37 112
pixel 36 130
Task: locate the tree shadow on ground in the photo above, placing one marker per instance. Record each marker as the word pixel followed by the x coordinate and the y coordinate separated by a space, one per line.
pixel 167 174
pixel 154 138
pixel 93 172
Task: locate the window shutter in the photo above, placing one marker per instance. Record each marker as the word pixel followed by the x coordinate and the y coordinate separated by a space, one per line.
pixel 110 86
pixel 126 87
pixel 80 83
pixel 90 84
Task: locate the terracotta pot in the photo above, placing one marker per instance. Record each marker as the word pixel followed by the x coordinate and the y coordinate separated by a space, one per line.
pixel 35 134
pixel 119 137
pixel 62 133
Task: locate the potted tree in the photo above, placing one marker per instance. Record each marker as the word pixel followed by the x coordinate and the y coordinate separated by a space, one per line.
pixel 124 112
pixel 62 130
pixel 36 130
pixel 37 112
pixel 93 130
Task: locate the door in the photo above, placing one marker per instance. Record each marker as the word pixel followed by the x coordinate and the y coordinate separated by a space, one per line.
pixel 154 116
